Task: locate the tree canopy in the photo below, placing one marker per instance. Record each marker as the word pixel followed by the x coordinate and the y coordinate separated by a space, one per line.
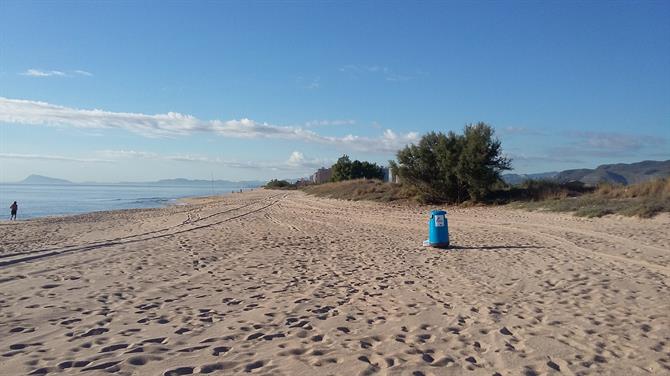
pixel 345 169
pixel 279 184
pixel 453 168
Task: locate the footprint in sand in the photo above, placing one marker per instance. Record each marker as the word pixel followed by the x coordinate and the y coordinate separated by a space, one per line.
pixel 95 332
pixel 252 366
pixel 114 347
pixel 344 329
pixel 220 350
pixel 179 371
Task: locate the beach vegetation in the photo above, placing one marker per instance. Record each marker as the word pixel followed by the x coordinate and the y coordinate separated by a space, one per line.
pixel 279 184
pixel 346 169
pixel 644 200
pixel 361 189
pixel 453 168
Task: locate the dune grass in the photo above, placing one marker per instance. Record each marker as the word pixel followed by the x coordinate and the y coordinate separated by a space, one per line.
pixel 360 189
pixel 644 200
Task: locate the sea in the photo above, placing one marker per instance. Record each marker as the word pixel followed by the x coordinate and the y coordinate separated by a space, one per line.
pixel 41 200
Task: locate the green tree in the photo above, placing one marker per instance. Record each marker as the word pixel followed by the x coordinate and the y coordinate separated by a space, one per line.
pixel 342 169
pixel 451 167
pixel 345 169
pixel 481 160
pixel 279 184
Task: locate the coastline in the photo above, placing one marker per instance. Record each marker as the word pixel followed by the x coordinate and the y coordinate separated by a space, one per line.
pixel 279 282
pixel 41 201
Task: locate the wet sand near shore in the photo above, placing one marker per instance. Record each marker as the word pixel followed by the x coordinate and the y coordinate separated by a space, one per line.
pixel 281 283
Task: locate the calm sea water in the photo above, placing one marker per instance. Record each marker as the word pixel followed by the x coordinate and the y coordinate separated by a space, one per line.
pixel 49 200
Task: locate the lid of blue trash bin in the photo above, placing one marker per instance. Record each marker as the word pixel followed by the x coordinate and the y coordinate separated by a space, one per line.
pixel 438 212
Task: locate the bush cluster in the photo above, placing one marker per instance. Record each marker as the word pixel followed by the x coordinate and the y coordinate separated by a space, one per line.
pixel 453 168
pixel 345 169
pixel 279 184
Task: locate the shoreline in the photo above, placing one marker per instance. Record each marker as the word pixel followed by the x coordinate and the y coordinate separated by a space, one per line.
pixel 167 202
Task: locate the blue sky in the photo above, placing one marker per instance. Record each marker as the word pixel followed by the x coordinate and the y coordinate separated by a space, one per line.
pixel 135 91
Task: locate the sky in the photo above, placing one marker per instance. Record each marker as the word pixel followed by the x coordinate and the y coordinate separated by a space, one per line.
pixel 140 91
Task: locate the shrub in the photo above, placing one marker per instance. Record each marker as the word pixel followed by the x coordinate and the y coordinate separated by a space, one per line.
pixel 643 199
pixel 453 168
pixel 345 169
pixel 360 189
pixel 279 184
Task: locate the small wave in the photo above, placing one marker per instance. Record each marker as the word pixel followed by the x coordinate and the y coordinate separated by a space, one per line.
pixel 144 201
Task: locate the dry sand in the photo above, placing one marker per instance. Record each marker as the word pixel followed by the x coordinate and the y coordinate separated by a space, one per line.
pixel 280 283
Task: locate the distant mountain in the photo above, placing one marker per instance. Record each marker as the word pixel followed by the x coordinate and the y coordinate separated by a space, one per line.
pixel 514 179
pixel 39 179
pixel 620 173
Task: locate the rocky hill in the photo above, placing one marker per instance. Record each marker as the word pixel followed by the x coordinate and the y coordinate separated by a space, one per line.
pixel 39 179
pixel 619 173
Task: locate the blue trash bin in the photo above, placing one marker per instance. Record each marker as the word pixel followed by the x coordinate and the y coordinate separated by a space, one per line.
pixel 438 229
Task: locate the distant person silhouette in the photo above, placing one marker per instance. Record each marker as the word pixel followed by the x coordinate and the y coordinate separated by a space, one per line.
pixel 14 208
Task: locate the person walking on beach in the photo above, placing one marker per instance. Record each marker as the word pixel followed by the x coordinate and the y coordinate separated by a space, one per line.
pixel 14 208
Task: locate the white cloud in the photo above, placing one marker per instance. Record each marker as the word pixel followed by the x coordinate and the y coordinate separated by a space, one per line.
pixel 49 73
pixel 314 84
pixel 295 162
pixel 174 124
pixel 126 154
pixel 41 73
pixel 83 73
pixel 386 72
pixel 364 68
pixel 521 157
pixel 609 144
pixel 296 158
pixel 51 158
pixel 521 131
pixel 309 83
pixel 326 123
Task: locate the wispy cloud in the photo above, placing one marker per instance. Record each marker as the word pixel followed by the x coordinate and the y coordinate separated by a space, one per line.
pixel 174 124
pixel 579 147
pixel 52 158
pixel 83 73
pixel 295 162
pixel 526 158
pixel 42 73
pixel 309 83
pixel 328 123
pixel 520 131
pixel 387 73
pixel 608 144
pixel 50 73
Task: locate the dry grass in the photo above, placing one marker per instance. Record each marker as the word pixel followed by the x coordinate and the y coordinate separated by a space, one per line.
pixel 537 190
pixel 656 188
pixel 643 200
pixel 360 189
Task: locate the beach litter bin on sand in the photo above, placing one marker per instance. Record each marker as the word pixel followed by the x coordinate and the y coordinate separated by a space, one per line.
pixel 438 230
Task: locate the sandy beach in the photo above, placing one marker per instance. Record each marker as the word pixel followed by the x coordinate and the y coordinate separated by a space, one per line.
pixel 281 283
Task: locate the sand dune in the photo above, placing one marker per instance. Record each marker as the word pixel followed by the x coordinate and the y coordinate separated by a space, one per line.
pixel 280 283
